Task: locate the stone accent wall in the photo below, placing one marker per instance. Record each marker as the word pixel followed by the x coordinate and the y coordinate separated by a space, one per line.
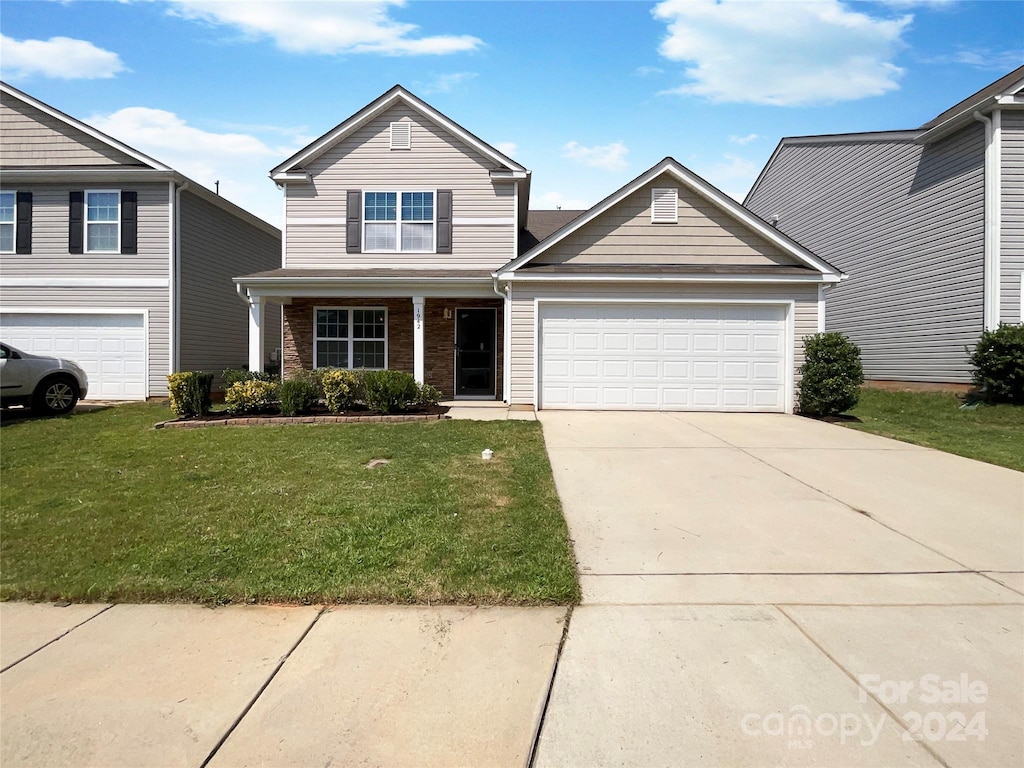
pixel 438 333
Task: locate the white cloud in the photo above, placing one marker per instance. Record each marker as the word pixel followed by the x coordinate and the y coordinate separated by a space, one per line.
pixel 59 57
pixel 731 174
pixel 239 161
pixel 445 83
pixel 325 27
pixel 551 200
pixel 783 54
pixel 744 140
pixel 507 148
pixel 647 71
pixel 985 59
pixel 610 157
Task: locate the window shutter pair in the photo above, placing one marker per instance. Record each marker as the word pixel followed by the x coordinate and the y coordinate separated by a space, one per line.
pixel 129 222
pixel 23 215
pixel 354 221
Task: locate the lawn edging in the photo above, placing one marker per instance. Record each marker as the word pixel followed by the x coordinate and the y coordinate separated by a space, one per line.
pixel 253 421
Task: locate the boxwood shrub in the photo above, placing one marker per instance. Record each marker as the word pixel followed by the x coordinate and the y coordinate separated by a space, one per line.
pixel 998 361
pixel 234 375
pixel 190 393
pixel 389 391
pixel 298 396
pixel 251 396
pixel 830 376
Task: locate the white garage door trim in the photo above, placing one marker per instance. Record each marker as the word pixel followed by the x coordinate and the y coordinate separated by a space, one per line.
pixel 9 310
pixel 788 307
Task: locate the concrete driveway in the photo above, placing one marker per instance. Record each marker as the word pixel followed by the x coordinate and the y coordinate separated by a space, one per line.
pixel 763 589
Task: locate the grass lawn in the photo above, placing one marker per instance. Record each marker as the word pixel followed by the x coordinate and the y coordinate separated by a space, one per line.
pixel 992 433
pixel 100 506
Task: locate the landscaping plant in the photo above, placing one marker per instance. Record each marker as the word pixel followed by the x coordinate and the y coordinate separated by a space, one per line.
pixel 190 393
pixel 427 396
pixel 341 388
pixel 234 375
pixel 389 391
pixel 298 396
pixel 830 376
pixel 998 361
pixel 251 396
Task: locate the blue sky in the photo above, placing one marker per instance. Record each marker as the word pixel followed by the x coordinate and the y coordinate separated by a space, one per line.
pixel 585 94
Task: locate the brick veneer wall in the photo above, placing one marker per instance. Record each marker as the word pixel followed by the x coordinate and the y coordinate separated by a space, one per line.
pixel 438 333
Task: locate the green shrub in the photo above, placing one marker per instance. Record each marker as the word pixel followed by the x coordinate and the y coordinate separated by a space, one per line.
pixel 234 375
pixel 341 388
pixel 190 393
pixel 298 396
pixel 830 376
pixel 427 396
pixel 388 391
pixel 313 377
pixel 998 361
pixel 251 396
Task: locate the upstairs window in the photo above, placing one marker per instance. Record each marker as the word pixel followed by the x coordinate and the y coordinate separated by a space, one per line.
pixel 398 221
pixel 102 221
pixel 665 206
pixel 7 221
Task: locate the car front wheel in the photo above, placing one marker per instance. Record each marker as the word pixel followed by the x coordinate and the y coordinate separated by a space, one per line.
pixel 55 395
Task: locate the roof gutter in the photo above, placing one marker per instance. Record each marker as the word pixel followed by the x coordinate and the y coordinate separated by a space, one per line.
pixel 959 120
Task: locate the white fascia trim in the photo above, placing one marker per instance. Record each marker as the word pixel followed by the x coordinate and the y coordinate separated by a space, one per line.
pixel 700 187
pixel 79 125
pixel 382 104
pixel 284 178
pixel 84 282
pixel 521 278
pixel 955 122
pixel 500 175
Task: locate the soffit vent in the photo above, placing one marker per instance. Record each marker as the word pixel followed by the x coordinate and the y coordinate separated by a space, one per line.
pixel 665 205
pixel 401 135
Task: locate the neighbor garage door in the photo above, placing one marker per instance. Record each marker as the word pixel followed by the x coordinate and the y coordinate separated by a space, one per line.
pixel 701 357
pixel 111 348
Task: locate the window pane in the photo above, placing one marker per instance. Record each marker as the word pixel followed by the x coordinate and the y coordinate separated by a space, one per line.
pixel 380 206
pixel 417 237
pixel 367 354
pixel 380 237
pixel 102 206
pixel 332 323
pixel 417 206
pixel 102 237
pixel 6 237
pixel 7 207
pixel 368 324
pixel 332 354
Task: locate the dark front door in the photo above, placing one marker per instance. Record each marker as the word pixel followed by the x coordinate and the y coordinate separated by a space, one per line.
pixel 474 352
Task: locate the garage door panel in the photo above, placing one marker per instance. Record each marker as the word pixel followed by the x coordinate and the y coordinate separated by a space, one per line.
pixel 663 356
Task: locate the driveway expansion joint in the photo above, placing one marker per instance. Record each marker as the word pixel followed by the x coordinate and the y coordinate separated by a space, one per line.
pixel 531 757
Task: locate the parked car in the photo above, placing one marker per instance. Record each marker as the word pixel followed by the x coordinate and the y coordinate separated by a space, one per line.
pixel 46 384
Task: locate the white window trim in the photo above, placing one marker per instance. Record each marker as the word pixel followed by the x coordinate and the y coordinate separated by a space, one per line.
pixel 398 221
pixel 408 128
pixel 350 338
pixel 85 221
pixel 675 212
pixel 14 221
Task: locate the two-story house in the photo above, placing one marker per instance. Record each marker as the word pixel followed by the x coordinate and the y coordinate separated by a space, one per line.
pixel 116 261
pixel 409 244
pixel 929 222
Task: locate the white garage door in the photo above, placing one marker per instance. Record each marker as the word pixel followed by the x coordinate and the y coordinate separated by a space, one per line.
pixel 110 348
pixel 694 357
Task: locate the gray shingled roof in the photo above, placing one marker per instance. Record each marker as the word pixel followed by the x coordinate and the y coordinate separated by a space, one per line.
pixel 992 89
pixel 540 225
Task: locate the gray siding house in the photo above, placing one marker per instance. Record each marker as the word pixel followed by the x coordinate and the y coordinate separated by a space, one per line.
pixel 112 259
pixel 928 223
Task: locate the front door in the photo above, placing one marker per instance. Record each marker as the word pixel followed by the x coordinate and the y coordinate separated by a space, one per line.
pixel 474 352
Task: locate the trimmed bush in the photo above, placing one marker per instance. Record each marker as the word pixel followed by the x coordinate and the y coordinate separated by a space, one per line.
pixel 341 388
pixel 190 393
pixel 298 396
pixel 389 391
pixel 998 361
pixel 427 396
pixel 830 376
pixel 313 377
pixel 234 375
pixel 251 396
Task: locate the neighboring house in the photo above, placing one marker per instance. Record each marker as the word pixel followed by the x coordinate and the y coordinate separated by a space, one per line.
pixel 409 244
pixel 112 259
pixel 929 223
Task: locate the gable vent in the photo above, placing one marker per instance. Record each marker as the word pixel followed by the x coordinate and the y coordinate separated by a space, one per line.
pixel 401 135
pixel 665 205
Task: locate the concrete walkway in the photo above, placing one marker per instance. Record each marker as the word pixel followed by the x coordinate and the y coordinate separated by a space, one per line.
pixel 770 590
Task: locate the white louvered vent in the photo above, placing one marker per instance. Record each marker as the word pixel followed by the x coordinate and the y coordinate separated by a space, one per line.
pixel 665 205
pixel 401 135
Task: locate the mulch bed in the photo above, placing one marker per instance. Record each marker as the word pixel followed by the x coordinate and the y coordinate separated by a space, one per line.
pixel 320 415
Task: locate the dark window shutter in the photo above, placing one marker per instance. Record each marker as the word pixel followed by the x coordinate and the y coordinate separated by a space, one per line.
pixel 354 221
pixel 444 221
pixel 24 216
pixel 129 222
pixel 76 223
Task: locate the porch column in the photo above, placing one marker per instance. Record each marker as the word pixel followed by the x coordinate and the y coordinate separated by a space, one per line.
pixel 417 338
pixel 256 332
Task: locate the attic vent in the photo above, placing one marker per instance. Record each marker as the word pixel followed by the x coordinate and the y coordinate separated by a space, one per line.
pixel 401 135
pixel 665 206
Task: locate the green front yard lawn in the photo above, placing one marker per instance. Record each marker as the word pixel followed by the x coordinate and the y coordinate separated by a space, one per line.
pixel 992 433
pixel 100 506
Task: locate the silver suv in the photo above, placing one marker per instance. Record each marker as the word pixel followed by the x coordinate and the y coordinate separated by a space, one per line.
pixel 47 384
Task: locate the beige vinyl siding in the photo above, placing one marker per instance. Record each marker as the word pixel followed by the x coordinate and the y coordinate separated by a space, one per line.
pixel 50 256
pixel 906 223
pixel 364 160
pixel 31 138
pixel 523 331
pixel 624 234
pixel 1012 233
pixel 71 299
pixel 214 321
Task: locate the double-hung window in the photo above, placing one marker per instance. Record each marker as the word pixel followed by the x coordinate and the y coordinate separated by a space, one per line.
pixel 398 221
pixel 8 218
pixel 102 221
pixel 350 338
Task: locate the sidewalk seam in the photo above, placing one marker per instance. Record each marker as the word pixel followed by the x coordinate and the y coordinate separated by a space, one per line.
pixel 252 702
pixel 531 757
pixel 63 634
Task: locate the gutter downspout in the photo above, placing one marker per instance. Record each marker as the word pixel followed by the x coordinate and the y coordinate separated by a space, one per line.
pixel 175 319
pixel 506 334
pixel 992 218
